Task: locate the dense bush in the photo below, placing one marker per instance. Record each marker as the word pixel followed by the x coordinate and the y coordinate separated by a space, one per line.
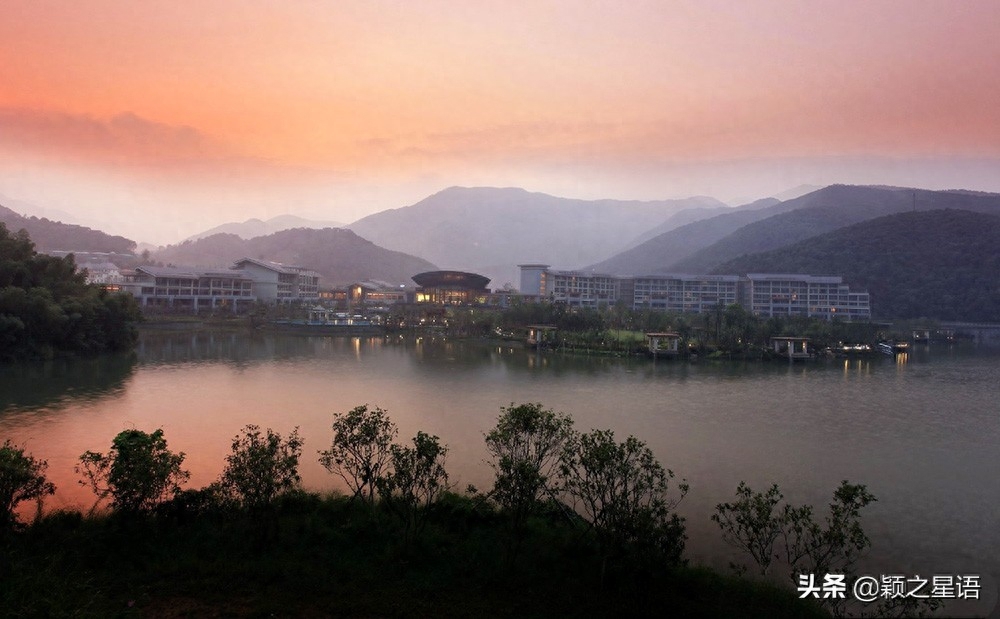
pixel 22 478
pixel 138 472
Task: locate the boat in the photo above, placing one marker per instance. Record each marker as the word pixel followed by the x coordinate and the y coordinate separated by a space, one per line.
pixel 891 348
pixel 323 321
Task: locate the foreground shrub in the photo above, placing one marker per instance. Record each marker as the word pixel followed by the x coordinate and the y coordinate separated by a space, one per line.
pixel 22 478
pixel 623 492
pixel 261 467
pixel 524 450
pixel 417 480
pixel 138 472
pixel 361 450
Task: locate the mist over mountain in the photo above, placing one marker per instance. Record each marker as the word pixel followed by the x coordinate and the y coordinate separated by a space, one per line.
pixel 56 236
pixel 699 246
pixel 691 215
pixel 660 252
pixel 255 227
pixel 340 256
pixel 942 264
pixel 828 209
pixel 473 228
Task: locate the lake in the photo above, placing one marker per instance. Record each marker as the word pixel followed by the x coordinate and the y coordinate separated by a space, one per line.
pixel 921 431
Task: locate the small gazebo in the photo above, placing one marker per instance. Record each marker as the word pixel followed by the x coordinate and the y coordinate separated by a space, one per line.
pixel 665 344
pixel 538 335
pixel 791 347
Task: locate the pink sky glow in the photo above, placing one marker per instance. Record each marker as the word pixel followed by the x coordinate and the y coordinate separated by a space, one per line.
pixel 160 119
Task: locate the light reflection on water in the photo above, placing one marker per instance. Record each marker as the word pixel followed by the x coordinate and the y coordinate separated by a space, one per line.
pixel 922 431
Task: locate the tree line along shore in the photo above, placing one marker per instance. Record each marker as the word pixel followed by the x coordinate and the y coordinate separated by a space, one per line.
pixel 575 524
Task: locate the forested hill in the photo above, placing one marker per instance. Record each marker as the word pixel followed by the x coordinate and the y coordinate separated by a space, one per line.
pixel 53 235
pixel 339 256
pixel 942 264
pixel 47 309
pixel 828 209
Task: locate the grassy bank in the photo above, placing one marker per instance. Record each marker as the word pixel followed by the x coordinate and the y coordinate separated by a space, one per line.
pixel 328 556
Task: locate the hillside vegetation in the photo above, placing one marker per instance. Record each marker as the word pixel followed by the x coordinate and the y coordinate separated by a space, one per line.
pixel 339 256
pixel 53 235
pixel 252 228
pixel 942 264
pixel 47 309
pixel 831 208
pixel 700 246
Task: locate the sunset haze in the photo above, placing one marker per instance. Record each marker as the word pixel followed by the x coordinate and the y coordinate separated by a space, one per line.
pixel 162 119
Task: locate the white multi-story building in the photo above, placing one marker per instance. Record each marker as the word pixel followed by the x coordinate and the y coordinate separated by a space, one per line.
pixel 575 288
pixel 685 293
pixel 236 288
pixel 764 294
pixel 188 289
pixel 280 283
pixel 785 294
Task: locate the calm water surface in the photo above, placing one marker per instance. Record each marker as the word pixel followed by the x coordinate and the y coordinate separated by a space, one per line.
pixel 922 432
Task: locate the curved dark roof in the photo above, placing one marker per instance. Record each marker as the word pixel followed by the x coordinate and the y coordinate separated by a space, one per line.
pixel 451 279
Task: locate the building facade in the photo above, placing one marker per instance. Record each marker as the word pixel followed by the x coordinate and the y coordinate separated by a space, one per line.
pixel 236 288
pixel 764 294
pixel 685 293
pixel 826 297
pixel 190 290
pixel 280 283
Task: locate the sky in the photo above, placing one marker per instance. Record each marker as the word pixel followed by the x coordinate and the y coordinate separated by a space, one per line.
pixel 160 119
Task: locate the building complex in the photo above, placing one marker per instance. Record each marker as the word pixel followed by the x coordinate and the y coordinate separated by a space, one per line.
pixel 237 288
pixel 764 294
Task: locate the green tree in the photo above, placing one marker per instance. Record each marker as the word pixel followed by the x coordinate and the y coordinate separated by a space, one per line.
pixel 417 480
pixel 47 308
pixel 623 491
pixel 524 450
pixel 22 478
pixel 138 472
pixel 261 467
pixel 752 524
pixel 791 535
pixel 361 450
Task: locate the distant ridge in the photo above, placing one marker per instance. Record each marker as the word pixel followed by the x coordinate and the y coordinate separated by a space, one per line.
pixel 340 256
pixel 828 209
pixel 255 227
pixel 691 215
pixel 56 236
pixel 700 246
pixel 942 264
pixel 472 228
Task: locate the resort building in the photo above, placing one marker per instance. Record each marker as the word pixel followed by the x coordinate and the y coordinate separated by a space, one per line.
pixel 451 288
pixel 280 283
pixel 826 297
pixel 103 272
pixel 685 293
pixel 190 290
pixel 764 294
pixel 236 288
pixel 575 288
pixel 377 294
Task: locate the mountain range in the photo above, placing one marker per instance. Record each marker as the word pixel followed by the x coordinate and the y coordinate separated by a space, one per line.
pixel 491 230
pixel 255 227
pixel 700 246
pixel 55 236
pixel 943 264
pixel 340 256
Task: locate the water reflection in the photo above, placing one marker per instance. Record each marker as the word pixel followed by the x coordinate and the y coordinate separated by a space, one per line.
pixel 26 386
pixel 919 432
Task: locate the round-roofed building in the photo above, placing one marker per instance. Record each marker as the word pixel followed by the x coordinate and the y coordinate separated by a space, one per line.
pixel 451 287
